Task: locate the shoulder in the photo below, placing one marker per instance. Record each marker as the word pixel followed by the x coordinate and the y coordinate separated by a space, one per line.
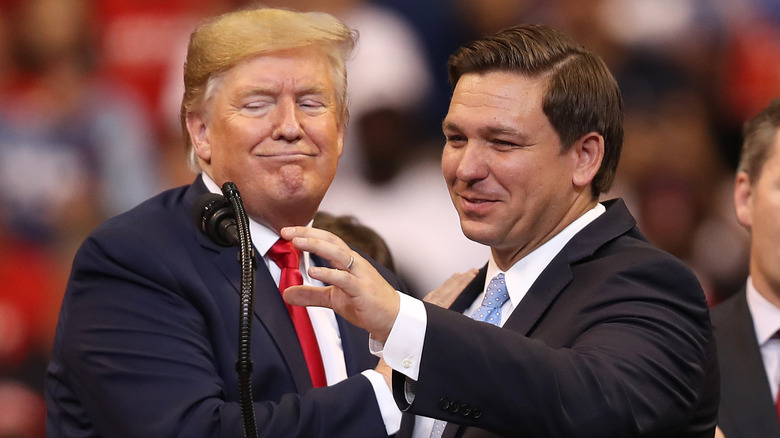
pixel 729 311
pixel 631 255
pixel 154 223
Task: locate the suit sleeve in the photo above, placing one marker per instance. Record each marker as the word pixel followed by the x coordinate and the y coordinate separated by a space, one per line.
pixel 626 355
pixel 134 356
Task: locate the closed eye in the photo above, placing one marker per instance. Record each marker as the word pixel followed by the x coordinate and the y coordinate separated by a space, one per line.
pixel 310 104
pixel 505 143
pixel 257 104
pixel 455 140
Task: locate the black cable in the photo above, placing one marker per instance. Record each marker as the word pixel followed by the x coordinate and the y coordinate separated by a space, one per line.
pixel 247 261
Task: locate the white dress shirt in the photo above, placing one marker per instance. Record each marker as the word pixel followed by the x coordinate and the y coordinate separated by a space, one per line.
pixel 403 348
pixel 766 322
pixel 323 320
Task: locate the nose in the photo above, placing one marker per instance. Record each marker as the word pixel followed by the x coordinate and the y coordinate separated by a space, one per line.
pixel 286 125
pixel 471 163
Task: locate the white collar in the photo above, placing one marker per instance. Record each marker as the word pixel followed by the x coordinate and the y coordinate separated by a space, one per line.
pixel 766 316
pixel 263 238
pixel 525 271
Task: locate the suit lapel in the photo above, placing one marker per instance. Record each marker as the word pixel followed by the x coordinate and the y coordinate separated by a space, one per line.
pixel 539 297
pixel 749 393
pixel 471 292
pixel 271 311
pixel 614 222
pixel 269 307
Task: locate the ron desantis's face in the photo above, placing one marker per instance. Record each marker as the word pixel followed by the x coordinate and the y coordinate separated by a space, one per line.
pixel 271 126
pixel 502 162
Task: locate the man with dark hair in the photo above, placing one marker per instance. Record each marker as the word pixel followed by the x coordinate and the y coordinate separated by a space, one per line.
pixel 577 326
pixel 747 325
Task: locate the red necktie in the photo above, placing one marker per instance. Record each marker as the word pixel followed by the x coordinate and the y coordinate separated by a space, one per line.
pixel 284 254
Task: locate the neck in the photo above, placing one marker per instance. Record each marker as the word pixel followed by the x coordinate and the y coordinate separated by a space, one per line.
pixel 765 287
pixel 506 258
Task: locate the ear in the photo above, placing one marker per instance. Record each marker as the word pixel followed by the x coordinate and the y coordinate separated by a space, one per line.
pixel 587 153
pixel 340 139
pixel 198 130
pixel 743 199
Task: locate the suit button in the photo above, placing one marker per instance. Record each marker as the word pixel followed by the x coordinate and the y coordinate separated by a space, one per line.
pixel 444 404
pixel 454 407
pixel 465 410
pixel 476 413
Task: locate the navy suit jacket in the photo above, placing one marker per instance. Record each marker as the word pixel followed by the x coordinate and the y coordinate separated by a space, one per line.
pixel 746 406
pixel 612 340
pixel 147 340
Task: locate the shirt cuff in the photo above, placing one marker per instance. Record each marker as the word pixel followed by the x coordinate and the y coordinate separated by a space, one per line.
pixel 403 349
pixel 391 415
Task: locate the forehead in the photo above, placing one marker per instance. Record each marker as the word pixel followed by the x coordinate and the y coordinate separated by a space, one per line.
pixel 299 67
pixel 496 97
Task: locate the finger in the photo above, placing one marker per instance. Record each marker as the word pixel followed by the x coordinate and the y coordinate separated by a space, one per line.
pixel 319 242
pixel 310 232
pixel 338 254
pixel 343 280
pixel 308 296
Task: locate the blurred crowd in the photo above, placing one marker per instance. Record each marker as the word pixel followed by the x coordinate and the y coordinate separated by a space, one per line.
pixel 89 103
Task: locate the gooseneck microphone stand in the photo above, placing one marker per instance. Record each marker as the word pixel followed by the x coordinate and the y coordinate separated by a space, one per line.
pixel 223 219
pixel 248 262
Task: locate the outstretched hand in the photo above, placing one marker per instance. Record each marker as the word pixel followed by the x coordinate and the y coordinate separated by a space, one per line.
pixel 356 290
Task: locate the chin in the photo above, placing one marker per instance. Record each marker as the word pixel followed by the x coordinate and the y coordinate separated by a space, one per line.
pixel 479 233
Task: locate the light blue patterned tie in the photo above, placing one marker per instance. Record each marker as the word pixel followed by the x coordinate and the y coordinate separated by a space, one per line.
pixel 489 311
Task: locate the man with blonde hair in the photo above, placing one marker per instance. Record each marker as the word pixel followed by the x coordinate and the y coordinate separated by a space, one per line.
pixel 147 340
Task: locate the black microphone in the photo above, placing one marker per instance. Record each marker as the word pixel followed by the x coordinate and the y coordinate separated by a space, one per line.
pixel 214 216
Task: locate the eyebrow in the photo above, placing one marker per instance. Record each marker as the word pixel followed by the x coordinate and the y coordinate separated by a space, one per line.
pixel 445 125
pixel 487 130
pixel 304 91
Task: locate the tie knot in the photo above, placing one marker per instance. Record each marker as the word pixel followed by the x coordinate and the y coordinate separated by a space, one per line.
pixel 495 297
pixel 284 254
pixel 496 294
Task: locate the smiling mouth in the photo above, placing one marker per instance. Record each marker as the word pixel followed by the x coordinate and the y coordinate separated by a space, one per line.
pixel 474 200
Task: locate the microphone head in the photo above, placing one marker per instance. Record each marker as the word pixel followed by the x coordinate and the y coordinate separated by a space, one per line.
pixel 214 216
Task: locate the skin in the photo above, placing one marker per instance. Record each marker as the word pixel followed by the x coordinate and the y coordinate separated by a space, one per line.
pixel 272 128
pixel 512 186
pixel 757 204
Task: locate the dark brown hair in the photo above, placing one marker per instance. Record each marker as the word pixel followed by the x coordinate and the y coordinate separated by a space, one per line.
pixel 582 95
pixel 759 135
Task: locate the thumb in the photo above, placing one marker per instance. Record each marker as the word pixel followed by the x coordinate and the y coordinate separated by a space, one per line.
pixel 308 296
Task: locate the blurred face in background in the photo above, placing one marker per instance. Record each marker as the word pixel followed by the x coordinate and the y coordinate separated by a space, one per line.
pixel 758 209
pixel 270 124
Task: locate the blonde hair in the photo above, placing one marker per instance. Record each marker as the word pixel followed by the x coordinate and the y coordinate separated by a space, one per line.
pixel 227 40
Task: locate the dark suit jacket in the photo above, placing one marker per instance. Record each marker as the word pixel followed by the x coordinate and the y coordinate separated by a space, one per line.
pixel 746 406
pixel 147 341
pixel 612 340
